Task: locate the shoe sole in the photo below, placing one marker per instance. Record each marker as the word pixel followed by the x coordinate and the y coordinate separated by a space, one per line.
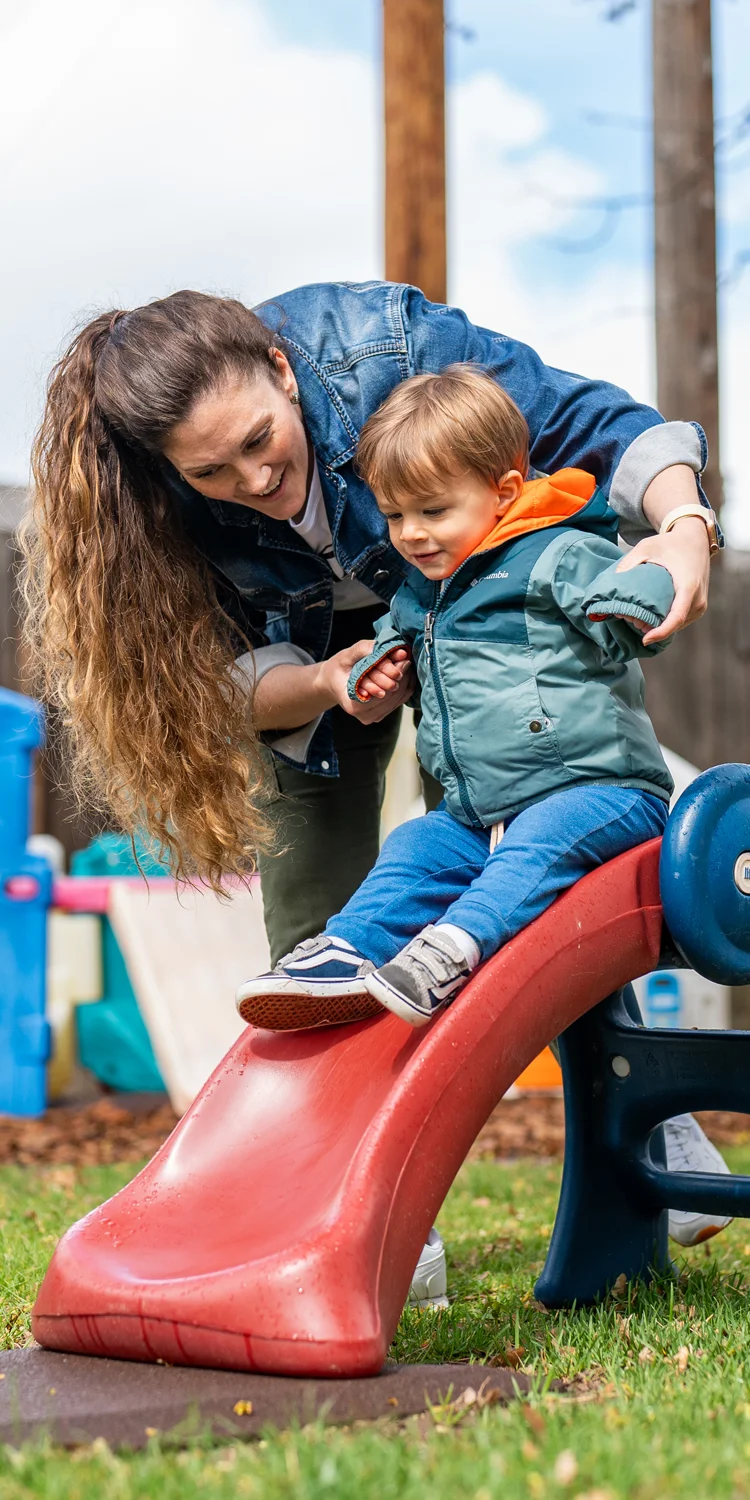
pixel 706 1233
pixel 295 1011
pixel 395 1003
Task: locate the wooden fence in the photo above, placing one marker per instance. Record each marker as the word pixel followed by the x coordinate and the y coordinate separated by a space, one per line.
pixel 698 690
pixel 55 809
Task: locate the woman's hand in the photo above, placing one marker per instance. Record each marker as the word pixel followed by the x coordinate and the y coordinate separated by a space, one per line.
pixel 388 685
pixel 683 551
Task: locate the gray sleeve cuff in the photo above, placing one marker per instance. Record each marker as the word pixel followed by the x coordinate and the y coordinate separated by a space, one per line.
pixel 655 449
pixel 293 743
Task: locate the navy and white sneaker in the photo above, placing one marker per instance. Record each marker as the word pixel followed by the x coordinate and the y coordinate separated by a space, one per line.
pixel 422 979
pixel 321 983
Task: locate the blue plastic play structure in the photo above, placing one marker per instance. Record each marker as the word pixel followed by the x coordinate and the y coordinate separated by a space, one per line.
pixel 113 1039
pixel 621 1080
pixel 25 893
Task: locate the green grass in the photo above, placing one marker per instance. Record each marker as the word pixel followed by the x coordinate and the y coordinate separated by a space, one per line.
pixel 659 1406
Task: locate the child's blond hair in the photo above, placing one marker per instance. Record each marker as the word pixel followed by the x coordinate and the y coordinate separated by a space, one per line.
pixel 433 427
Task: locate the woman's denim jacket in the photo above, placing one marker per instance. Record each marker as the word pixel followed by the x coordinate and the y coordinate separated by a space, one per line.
pixel 349 345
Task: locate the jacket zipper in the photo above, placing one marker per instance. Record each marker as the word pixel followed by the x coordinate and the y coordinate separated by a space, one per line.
pixel 463 790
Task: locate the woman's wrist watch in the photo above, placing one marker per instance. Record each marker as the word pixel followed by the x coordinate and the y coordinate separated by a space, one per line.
pixel 702 513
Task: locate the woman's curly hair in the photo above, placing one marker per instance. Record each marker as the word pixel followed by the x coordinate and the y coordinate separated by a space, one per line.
pixel 124 633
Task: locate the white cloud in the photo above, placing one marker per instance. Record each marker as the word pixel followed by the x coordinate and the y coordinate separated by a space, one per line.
pixel 186 148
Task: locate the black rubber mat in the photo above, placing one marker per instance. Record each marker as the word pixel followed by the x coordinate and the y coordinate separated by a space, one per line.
pixel 75 1399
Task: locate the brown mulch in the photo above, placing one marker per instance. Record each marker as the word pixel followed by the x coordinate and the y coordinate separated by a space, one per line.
pixel 107 1131
pixel 529 1125
pixel 533 1125
pixel 95 1135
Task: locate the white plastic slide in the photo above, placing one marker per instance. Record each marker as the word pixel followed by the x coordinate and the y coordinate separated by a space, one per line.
pixel 186 953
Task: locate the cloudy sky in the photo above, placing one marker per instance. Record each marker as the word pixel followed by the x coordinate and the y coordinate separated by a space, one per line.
pixel 234 146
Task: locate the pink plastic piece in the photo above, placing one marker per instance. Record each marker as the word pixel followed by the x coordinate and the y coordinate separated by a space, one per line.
pixel 279 1227
pixel 22 887
pixel 91 892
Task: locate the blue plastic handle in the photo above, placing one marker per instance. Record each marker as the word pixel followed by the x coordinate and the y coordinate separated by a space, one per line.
pixel 705 876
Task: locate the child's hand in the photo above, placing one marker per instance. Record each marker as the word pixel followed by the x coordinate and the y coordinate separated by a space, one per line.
pixel 385 677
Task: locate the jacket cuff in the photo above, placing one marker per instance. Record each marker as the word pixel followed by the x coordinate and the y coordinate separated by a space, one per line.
pixel 620 607
pixel 363 666
pixel 655 449
pixel 293 744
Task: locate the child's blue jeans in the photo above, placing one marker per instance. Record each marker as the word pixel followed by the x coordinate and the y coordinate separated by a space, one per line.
pixel 434 869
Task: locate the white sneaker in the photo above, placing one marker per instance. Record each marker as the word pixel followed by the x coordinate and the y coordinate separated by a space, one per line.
pixel 429 1283
pixel 690 1150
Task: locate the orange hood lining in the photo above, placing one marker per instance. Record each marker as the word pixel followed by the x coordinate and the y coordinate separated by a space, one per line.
pixel 542 503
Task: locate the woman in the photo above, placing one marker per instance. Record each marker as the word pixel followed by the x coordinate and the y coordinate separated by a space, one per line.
pixel 204 565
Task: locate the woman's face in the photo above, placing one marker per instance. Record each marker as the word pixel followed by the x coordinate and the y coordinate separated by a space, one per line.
pixel 246 442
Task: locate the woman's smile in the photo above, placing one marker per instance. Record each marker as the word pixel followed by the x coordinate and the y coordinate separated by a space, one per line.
pixel 272 489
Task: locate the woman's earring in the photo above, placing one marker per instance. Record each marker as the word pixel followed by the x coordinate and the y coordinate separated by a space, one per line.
pixel 294 398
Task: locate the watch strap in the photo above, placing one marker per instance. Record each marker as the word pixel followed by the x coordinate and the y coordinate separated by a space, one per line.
pixel 701 513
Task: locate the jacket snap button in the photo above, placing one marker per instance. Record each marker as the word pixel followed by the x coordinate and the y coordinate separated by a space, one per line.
pixel 325 765
pixel 381 573
pixel 535 726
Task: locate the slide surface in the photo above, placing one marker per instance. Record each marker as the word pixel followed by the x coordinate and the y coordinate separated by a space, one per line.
pixel 279 1226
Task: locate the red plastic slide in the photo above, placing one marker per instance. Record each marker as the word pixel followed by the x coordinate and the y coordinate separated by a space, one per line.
pixel 279 1226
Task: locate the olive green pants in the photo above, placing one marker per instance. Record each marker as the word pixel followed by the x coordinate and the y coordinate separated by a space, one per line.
pixel 328 831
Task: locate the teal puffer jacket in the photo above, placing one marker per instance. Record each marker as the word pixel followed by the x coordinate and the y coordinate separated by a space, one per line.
pixel 521 692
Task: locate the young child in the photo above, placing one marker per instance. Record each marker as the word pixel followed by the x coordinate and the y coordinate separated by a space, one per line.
pixel 524 638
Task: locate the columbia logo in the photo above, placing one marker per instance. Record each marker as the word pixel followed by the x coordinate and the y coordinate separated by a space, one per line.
pixel 502 574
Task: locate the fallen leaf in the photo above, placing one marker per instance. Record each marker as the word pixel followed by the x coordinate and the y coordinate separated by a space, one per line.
pixel 682 1358
pixel 534 1418
pixel 481 1202
pixel 566 1466
pixel 242 1408
pixel 510 1359
pixel 529 1450
pixel 393 1400
pixel 646 1356
pixel 619 1286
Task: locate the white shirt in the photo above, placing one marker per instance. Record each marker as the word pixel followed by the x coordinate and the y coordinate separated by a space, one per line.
pixel 348 593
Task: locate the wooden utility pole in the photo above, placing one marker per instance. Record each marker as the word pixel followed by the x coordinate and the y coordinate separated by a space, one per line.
pixel 685 222
pixel 414 94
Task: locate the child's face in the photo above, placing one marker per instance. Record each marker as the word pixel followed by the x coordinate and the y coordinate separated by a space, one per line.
pixel 439 532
